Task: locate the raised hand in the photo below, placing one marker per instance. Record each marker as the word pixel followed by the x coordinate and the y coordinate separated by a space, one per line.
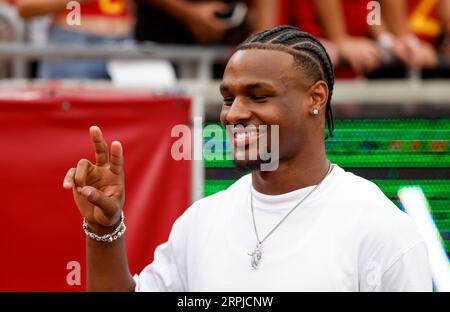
pixel 98 189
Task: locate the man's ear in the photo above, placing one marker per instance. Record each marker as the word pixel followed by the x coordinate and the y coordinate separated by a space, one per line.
pixel 318 97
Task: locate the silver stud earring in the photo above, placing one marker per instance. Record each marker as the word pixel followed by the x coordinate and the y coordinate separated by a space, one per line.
pixel 316 111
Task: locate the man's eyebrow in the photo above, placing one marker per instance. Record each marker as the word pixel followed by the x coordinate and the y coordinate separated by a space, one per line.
pixel 249 86
pixel 257 85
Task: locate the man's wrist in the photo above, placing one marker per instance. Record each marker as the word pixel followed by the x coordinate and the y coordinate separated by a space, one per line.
pixel 102 229
pixel 386 40
pixel 109 237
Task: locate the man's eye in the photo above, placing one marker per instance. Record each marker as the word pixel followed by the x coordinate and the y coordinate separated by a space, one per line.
pixel 258 98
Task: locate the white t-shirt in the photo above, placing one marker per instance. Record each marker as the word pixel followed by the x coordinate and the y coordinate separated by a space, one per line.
pixel 347 236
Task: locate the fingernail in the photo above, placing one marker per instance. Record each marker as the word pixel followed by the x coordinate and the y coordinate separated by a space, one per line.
pixel 86 191
pixel 67 185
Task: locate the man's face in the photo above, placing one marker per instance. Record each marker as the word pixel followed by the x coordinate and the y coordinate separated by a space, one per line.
pixel 263 87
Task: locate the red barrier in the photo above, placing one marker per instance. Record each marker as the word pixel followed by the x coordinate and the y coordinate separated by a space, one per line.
pixel 43 134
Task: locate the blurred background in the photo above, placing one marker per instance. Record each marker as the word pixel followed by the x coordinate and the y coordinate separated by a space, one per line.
pixel 139 67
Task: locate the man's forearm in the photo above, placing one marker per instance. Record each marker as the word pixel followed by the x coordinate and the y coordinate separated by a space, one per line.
pixel 263 15
pixel 331 18
pixel 394 14
pixel 107 266
pixel 31 8
pixel 376 30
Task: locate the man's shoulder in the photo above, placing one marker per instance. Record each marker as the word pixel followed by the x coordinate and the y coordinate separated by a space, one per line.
pixel 380 218
pixel 363 194
pixel 359 187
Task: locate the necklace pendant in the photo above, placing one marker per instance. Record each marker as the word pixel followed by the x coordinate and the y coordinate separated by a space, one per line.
pixel 256 257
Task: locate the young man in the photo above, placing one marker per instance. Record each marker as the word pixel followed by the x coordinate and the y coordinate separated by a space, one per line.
pixel 306 226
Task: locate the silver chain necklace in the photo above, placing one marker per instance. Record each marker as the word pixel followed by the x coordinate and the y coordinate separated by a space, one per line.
pixel 257 253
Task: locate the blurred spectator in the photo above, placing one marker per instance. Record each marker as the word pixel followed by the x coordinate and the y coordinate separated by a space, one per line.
pixel 342 23
pixel 199 22
pixel 101 22
pixel 400 32
pixel 196 22
pixel 347 35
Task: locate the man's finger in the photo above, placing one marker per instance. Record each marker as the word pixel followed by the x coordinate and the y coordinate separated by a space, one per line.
pixel 81 172
pixel 100 146
pixel 69 179
pixel 106 204
pixel 116 164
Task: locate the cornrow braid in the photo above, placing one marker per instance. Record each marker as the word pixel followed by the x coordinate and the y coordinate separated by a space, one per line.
pixel 309 54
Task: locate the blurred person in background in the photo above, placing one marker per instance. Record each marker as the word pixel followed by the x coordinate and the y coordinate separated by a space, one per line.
pixel 198 22
pixel 202 22
pixel 429 20
pixel 343 27
pixel 399 34
pixel 36 27
pixel 350 39
pixel 36 33
pixel 102 22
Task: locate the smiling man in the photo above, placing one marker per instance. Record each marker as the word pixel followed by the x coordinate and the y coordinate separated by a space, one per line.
pixel 306 226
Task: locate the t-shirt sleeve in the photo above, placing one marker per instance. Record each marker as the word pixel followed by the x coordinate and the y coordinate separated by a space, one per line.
pixel 393 256
pixel 167 272
pixel 162 274
pixel 410 273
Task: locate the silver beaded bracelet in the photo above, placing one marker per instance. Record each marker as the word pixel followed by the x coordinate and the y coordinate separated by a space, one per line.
pixel 107 238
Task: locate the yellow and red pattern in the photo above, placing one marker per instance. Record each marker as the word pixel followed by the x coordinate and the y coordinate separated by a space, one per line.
pixel 423 19
pixel 110 8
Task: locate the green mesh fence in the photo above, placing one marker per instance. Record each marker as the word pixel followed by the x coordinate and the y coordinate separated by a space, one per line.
pixel 377 144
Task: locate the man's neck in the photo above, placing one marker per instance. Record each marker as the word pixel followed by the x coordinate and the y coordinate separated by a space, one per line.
pixel 292 175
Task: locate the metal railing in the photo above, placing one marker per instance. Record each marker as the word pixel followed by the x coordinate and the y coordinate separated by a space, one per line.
pixel 203 58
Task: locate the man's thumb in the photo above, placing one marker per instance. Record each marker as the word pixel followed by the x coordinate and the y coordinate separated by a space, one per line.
pixel 96 197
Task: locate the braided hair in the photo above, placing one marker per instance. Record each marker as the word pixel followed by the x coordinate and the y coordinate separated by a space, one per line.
pixel 309 54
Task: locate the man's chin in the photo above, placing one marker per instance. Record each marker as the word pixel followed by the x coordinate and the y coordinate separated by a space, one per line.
pixel 248 165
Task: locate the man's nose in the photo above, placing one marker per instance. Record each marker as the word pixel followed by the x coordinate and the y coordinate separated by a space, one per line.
pixel 238 112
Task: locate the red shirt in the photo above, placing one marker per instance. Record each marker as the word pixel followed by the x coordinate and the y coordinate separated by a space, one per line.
pixel 301 13
pixel 424 20
pixel 109 8
pixel 355 12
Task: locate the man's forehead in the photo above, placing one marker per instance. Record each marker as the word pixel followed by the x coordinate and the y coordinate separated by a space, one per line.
pixel 267 60
pixel 261 68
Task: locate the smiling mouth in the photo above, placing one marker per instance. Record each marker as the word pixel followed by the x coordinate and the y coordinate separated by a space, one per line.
pixel 246 137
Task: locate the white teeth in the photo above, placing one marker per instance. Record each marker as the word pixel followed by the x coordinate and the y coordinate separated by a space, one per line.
pixel 241 136
pixel 251 132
